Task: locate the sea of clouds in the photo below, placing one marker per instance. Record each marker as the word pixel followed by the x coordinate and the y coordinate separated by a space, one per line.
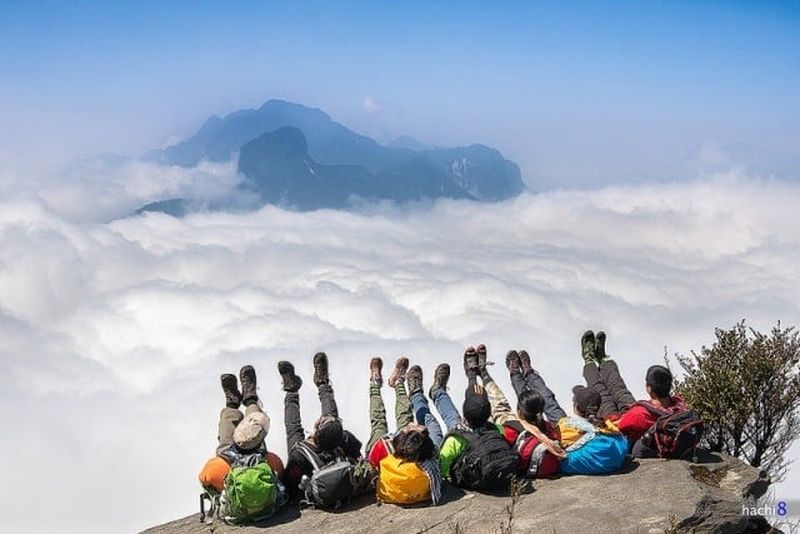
pixel 114 331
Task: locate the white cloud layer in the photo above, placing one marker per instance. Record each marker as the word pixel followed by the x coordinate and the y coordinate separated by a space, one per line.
pixel 114 334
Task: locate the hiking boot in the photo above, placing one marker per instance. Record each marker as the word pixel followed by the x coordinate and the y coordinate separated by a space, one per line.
pixel 482 363
pixel 600 347
pixel 399 372
pixel 525 361
pixel 247 377
pixel 231 389
pixel 513 362
pixel 470 362
pixel 414 377
pixel 587 346
pixel 291 382
pixel 321 369
pixel 375 368
pixel 440 378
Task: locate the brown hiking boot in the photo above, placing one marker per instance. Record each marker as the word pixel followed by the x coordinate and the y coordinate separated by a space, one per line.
pixel 482 363
pixel 440 378
pixel 291 382
pixel 414 378
pixel 321 369
pixel 247 377
pixel 375 368
pixel 525 361
pixel 470 362
pixel 513 362
pixel 399 372
pixel 231 389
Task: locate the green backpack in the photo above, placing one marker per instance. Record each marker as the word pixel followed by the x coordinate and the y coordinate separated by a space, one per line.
pixel 251 494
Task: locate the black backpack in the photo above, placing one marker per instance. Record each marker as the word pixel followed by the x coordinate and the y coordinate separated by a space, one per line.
pixel 335 482
pixel 674 433
pixel 488 463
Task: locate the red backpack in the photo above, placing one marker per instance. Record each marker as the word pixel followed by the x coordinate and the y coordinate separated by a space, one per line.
pixel 675 432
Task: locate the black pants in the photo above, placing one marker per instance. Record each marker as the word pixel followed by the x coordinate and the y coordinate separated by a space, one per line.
pixel 533 381
pixel 291 413
pixel 606 380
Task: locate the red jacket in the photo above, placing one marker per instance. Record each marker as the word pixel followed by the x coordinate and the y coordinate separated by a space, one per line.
pixel 638 419
pixel 528 447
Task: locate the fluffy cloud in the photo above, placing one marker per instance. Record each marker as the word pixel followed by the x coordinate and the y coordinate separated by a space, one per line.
pixel 114 334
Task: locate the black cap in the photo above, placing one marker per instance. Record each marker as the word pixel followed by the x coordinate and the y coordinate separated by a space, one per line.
pixel 477 409
pixel 586 399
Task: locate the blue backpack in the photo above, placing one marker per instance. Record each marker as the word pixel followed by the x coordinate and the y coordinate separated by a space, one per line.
pixel 603 454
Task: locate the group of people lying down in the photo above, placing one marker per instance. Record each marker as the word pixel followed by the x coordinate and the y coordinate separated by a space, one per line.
pixel 481 448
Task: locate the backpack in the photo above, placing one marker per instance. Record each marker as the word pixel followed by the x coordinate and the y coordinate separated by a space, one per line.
pixel 333 483
pixel 402 482
pixel 251 493
pixel 675 432
pixel 488 463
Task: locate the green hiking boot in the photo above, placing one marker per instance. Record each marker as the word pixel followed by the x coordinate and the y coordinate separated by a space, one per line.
pixel 375 368
pixel 291 382
pixel 247 377
pixel 587 347
pixel 440 378
pixel 321 369
pixel 525 361
pixel 231 390
pixel 414 379
pixel 399 372
pixel 600 355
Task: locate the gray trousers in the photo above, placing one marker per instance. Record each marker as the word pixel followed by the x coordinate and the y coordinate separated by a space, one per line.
pixel 606 380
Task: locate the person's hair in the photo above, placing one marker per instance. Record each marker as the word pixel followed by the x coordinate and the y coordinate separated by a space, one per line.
pixel 329 433
pixel 659 378
pixel 413 446
pixel 530 406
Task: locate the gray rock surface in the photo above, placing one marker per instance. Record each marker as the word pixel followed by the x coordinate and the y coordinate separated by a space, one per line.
pixel 650 496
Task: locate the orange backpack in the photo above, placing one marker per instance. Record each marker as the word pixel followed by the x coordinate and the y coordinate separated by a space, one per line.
pixel 213 474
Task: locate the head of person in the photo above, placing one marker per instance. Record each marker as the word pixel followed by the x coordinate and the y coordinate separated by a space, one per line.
pixel 476 409
pixel 328 433
pixel 530 408
pixel 251 431
pixel 413 444
pixel 658 382
pixel 586 403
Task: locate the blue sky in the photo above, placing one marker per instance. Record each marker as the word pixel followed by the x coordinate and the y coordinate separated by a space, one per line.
pixel 577 93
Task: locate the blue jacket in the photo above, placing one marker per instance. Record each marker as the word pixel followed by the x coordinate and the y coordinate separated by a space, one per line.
pixel 603 454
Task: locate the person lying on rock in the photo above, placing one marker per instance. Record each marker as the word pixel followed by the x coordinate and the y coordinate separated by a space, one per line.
pixel 330 451
pixel 474 454
pixel 535 438
pixel 636 419
pixel 407 460
pixel 241 445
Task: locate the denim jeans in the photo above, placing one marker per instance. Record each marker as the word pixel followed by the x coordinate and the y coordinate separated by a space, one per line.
pixel 422 412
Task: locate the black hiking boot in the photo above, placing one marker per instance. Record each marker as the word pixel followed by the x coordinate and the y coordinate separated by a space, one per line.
pixel 482 363
pixel 600 348
pixel 291 382
pixel 525 361
pixel 587 347
pixel 321 369
pixel 399 372
pixel 513 362
pixel 247 377
pixel 440 378
pixel 231 389
pixel 471 362
pixel 414 378
pixel 375 368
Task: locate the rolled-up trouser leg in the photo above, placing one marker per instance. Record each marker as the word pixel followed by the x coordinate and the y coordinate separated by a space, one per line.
pixel 228 419
pixel 423 414
pixel 616 385
pixel 501 409
pixel 595 381
pixel 377 416
pixel 552 410
pixel 402 406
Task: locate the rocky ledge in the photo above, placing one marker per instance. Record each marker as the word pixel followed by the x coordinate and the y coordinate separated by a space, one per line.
pixel 649 496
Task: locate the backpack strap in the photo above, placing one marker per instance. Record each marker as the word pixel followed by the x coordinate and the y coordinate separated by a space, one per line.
pixel 653 409
pixel 387 443
pixel 309 454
